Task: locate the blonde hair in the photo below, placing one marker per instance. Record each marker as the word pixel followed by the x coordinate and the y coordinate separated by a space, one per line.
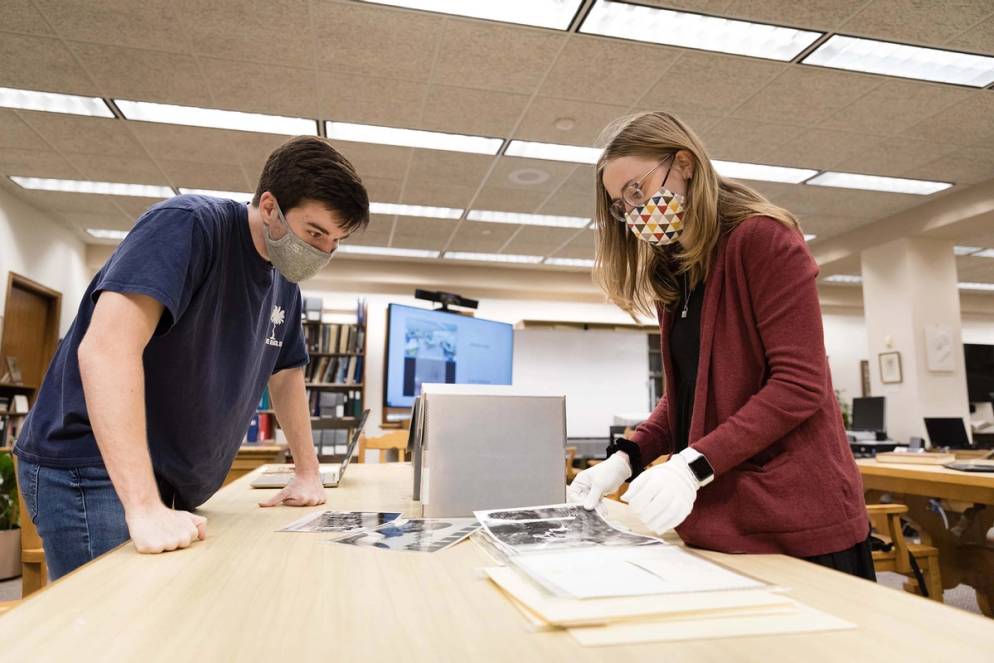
pixel 638 276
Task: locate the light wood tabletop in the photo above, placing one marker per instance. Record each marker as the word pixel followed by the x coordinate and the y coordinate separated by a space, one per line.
pixel 249 593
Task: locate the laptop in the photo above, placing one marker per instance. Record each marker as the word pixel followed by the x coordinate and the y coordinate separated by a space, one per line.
pixel 949 432
pixel 278 476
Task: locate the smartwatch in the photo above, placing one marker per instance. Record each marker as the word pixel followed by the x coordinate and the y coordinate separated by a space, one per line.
pixel 699 465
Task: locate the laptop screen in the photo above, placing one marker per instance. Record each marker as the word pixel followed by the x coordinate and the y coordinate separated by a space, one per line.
pixel 352 443
pixel 947 432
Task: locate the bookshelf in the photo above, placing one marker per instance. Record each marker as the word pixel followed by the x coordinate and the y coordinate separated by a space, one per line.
pixel 11 420
pixel 336 345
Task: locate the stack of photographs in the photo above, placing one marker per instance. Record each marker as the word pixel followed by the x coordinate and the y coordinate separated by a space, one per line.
pixel 340 522
pixel 414 534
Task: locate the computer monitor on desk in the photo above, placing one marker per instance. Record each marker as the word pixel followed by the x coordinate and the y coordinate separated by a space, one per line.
pixel 868 414
pixel 947 432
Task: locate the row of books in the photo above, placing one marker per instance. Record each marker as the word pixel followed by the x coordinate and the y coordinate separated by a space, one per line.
pixel 333 404
pixel 334 338
pixel 13 410
pixel 336 370
pixel 262 427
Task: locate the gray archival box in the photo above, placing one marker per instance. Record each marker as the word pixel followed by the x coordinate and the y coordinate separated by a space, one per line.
pixel 480 447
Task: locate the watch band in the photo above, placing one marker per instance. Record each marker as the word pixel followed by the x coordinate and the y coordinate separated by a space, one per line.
pixel 699 465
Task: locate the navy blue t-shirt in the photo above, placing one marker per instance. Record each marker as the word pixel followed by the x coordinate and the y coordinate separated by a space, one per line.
pixel 230 321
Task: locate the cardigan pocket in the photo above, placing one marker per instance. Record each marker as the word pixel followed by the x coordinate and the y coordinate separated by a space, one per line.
pixel 767 459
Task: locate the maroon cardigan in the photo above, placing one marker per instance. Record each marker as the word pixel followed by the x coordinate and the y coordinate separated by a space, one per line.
pixel 765 413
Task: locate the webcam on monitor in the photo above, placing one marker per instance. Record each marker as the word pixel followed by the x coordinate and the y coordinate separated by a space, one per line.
pixel 446 299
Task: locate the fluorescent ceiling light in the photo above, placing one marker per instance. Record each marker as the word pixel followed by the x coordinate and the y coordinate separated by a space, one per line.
pixel 986 253
pixel 53 102
pixel 107 234
pixel 528 219
pixel 415 210
pixel 86 186
pixel 757 171
pixel 492 257
pixel 431 140
pixel 877 183
pixel 239 196
pixel 708 33
pixel 808 238
pixel 965 250
pixel 976 286
pixel 553 151
pixel 844 278
pixel 556 14
pixel 386 251
pixel 215 119
pixel 881 57
pixel 570 262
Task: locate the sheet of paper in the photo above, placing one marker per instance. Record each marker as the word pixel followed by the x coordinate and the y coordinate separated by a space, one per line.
pixel 682 571
pixel 595 572
pixel 801 620
pixel 415 534
pixel 340 521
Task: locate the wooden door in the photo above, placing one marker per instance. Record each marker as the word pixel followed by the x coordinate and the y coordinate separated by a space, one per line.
pixel 30 327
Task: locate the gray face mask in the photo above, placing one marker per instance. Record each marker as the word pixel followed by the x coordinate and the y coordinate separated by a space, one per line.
pixel 296 259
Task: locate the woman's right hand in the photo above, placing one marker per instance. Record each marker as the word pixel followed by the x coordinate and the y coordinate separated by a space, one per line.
pixel 590 485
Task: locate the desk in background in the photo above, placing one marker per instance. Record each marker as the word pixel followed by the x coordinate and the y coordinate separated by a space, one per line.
pixel 966 555
pixel 251 456
pixel 249 593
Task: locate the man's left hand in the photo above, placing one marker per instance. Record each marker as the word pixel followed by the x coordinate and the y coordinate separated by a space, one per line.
pixel 301 491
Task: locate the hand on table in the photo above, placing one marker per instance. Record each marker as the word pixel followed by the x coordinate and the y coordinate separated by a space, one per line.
pixel 160 529
pixel 303 490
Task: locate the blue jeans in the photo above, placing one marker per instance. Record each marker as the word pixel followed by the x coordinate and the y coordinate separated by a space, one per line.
pixel 76 511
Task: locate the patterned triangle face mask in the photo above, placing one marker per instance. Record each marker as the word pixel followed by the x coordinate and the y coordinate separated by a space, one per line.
pixel 660 220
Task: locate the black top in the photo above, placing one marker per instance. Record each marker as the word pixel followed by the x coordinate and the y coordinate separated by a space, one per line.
pixel 685 351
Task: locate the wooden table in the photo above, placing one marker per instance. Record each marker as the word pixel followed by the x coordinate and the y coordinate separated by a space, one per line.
pixel 249 593
pixel 966 554
pixel 251 456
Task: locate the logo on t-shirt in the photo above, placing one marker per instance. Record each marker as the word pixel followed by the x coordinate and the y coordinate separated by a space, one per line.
pixel 277 317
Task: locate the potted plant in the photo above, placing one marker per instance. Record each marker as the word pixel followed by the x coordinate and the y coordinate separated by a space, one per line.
pixel 844 407
pixel 10 534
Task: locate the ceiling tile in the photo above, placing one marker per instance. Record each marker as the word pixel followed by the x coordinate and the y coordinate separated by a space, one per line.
pixel 895 106
pixel 179 143
pixel 529 174
pixel 481 237
pixel 16 133
pixel 150 24
pixel 433 229
pixel 130 73
pixel 118 169
pixel 348 97
pixel 538 241
pixel 710 83
pixel 377 161
pixel 569 205
pixel 377 233
pixel 469 111
pixel 810 200
pixel 598 69
pixel 261 88
pixel 587 120
pixel 803 95
pixel 824 15
pixel 979 39
pixel 975 270
pixel 964 165
pixel 114 220
pixel 88 135
pixel 260 30
pixel 135 207
pixel 70 202
pixel 374 40
pixel 494 57
pixel 22 16
pixel 218 176
pixel 418 242
pixel 438 195
pixel 252 149
pixel 828 225
pixel 966 123
pixel 701 6
pixel 504 199
pixel 36 163
pixel 734 139
pixel 41 63
pixel 821 149
pixel 449 168
pixel 582 246
pixel 383 190
pixel 893 156
pixel 913 21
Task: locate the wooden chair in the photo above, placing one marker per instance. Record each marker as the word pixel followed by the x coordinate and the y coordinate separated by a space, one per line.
pixel 886 521
pixel 571 471
pixel 34 573
pixel 384 443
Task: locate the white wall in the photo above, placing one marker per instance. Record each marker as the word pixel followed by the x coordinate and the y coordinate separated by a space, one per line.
pixel 34 245
pixel 845 345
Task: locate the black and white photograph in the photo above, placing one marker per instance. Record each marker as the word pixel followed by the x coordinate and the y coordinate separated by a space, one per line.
pixel 415 535
pixel 340 521
pixel 554 527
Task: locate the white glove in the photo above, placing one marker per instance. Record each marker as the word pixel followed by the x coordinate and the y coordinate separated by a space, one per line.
pixel 590 485
pixel 663 496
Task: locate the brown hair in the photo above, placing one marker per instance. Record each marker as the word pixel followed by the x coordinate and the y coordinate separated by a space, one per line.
pixel 309 168
pixel 638 276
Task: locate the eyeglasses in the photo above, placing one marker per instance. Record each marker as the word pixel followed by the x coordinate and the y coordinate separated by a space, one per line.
pixel 632 194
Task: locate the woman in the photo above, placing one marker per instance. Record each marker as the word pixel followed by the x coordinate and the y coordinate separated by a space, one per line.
pixel 759 459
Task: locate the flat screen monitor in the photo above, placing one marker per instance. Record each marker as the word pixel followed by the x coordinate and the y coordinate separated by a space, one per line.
pixel 979 361
pixel 947 432
pixel 868 414
pixel 428 347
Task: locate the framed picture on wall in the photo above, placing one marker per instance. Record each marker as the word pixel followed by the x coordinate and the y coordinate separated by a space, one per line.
pixel 890 367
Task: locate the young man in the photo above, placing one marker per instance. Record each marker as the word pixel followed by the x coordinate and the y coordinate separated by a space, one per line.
pixel 150 393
